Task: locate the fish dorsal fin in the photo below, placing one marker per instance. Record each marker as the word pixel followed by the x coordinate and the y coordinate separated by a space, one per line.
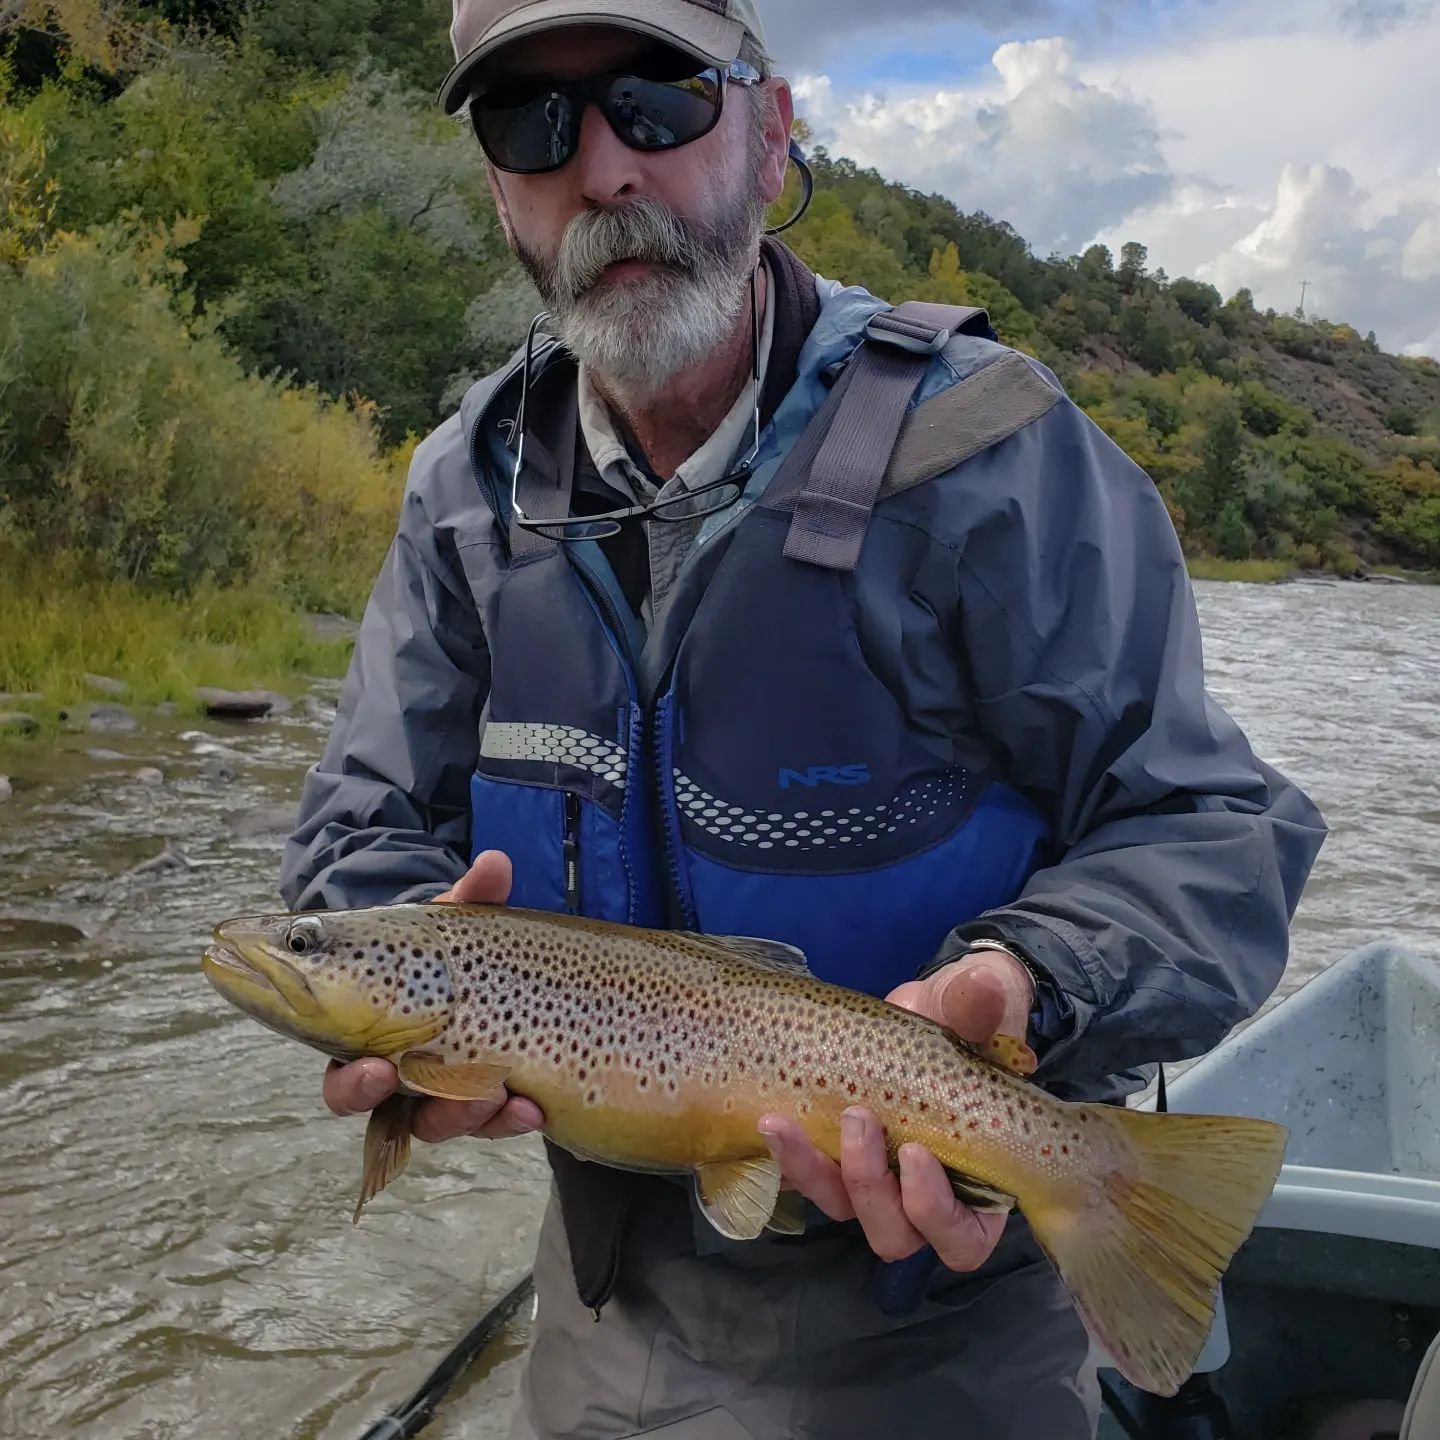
pixel 739 1197
pixel 1003 1050
pixel 774 954
pixel 1010 1054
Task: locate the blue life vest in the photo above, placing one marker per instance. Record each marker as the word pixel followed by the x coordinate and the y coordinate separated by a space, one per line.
pixel 742 769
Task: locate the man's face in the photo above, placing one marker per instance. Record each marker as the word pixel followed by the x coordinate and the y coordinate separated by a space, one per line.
pixel 642 257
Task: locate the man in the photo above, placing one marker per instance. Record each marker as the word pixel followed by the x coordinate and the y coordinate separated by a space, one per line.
pixel 947 734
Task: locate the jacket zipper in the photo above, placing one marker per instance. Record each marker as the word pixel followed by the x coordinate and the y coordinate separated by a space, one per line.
pixel 660 754
pixel 572 853
pixel 650 735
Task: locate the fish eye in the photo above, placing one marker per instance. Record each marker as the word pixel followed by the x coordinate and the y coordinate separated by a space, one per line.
pixel 304 936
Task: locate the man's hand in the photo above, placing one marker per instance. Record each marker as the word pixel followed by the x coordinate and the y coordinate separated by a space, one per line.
pixel 363 1084
pixel 977 996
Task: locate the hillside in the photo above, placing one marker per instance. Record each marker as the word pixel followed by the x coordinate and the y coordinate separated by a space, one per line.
pixel 244 266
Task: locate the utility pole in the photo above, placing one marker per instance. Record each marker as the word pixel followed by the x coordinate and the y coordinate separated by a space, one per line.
pixel 1304 286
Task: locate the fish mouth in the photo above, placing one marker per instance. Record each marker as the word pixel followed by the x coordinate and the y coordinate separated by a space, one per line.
pixel 252 975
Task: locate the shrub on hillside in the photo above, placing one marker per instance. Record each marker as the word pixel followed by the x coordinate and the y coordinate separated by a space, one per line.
pixel 131 434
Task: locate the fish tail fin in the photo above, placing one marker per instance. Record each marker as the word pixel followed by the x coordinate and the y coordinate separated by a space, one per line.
pixel 1142 1248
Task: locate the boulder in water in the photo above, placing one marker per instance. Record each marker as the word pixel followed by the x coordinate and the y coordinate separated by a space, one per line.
pixel 20 934
pixel 235 704
pixel 149 775
pixel 6 789
pixel 111 717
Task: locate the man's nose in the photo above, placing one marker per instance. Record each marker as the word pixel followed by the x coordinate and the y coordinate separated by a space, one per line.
pixel 608 168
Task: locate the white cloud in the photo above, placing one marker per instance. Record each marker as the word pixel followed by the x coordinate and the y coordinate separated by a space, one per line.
pixel 1377 271
pixel 1263 149
pixel 1055 156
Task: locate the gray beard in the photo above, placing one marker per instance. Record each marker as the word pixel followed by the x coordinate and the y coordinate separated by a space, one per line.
pixel 637 335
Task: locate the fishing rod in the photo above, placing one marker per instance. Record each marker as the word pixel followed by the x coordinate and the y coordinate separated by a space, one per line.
pixel 417 1412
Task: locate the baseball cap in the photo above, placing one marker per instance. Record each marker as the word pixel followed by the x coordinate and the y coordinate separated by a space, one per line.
pixel 711 30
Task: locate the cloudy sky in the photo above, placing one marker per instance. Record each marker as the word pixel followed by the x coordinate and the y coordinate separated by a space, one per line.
pixel 1245 144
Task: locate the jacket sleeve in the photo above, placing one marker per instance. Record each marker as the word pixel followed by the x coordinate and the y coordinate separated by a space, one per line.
pixel 1161 919
pixel 384 816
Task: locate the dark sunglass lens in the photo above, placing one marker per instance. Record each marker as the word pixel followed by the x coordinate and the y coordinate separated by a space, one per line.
pixel 657 114
pixel 537 133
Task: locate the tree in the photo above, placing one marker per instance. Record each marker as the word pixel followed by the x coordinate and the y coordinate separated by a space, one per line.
pixel 317 34
pixel 1133 259
pixel 1198 301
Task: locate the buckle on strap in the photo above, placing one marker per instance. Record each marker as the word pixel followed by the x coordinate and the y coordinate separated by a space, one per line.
pixel 906 335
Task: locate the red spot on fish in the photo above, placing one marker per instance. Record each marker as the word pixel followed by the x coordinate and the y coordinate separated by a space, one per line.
pixel 889 1094
pixel 1064 1149
pixel 820 1082
pixel 974 1125
pixel 1044 1149
pixel 994 1122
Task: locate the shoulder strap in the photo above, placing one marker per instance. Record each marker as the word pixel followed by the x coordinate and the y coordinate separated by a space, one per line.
pixel 835 470
pixel 956 319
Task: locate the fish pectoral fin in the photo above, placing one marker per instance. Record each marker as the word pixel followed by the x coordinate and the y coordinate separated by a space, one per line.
pixel 739 1196
pixel 1008 1053
pixel 470 1080
pixel 772 954
pixel 788 1216
pixel 980 1197
pixel 387 1148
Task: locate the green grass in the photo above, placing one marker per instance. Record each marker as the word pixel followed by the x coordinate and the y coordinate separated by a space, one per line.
pixel 59 624
pixel 1256 572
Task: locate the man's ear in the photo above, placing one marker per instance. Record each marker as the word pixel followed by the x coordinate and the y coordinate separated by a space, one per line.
pixel 502 208
pixel 779 118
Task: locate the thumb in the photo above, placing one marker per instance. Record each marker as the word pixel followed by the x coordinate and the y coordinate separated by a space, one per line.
pixel 971 1000
pixel 487 882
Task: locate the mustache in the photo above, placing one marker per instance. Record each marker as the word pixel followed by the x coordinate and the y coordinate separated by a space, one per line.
pixel 642 229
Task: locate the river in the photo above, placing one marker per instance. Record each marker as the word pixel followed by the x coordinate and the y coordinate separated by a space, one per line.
pixel 176 1252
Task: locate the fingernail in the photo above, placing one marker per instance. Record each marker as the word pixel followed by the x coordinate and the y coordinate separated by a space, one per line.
pixel 374 1086
pixel 852 1128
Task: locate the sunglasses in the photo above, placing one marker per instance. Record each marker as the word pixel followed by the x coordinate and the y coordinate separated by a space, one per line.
pixel 532 126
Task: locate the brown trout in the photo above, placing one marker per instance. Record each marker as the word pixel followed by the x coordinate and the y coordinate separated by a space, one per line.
pixel 661 1050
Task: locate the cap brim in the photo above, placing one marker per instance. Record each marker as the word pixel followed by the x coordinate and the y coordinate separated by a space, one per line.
pixel 704 33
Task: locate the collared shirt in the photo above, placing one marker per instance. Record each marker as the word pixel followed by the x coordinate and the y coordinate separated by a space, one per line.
pixel 670 540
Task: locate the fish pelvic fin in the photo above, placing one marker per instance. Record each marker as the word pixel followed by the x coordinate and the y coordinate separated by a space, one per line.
pixel 739 1197
pixel 1142 1248
pixel 468 1080
pixel 387 1148
pixel 983 1198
